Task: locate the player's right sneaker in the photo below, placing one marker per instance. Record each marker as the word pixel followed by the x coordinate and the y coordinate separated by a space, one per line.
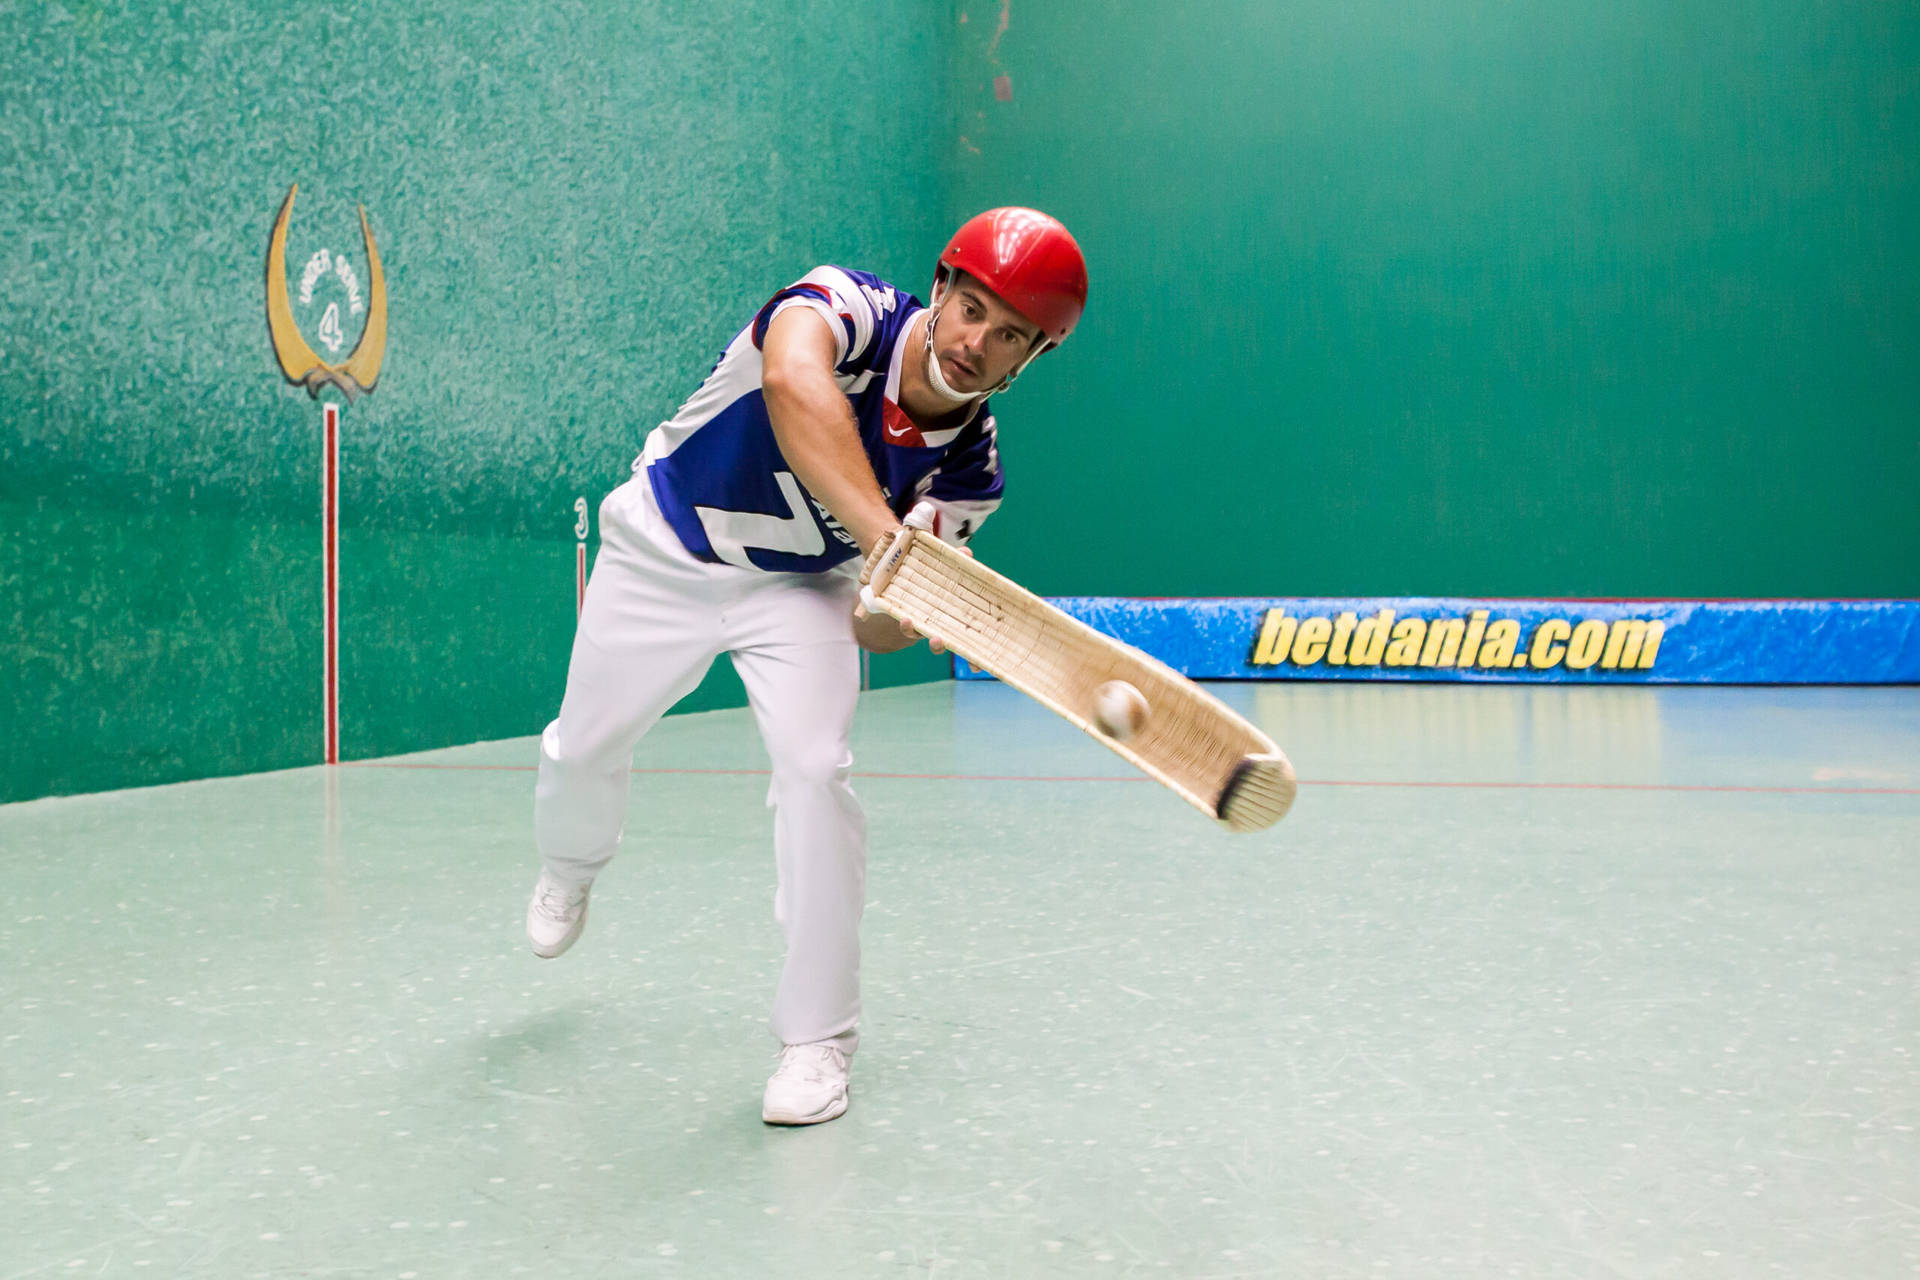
pixel 809 1085
pixel 556 915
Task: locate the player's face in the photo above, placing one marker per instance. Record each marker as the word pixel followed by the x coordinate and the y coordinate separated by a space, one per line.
pixel 979 339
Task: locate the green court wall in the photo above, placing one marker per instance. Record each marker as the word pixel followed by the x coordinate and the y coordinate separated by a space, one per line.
pixel 576 206
pixel 1465 298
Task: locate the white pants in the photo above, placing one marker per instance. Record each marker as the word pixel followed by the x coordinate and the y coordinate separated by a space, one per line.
pixel 653 622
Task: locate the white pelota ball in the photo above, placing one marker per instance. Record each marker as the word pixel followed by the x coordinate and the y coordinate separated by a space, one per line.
pixel 1118 710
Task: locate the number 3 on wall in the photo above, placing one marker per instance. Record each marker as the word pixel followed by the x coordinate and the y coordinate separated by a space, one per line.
pixel 732 532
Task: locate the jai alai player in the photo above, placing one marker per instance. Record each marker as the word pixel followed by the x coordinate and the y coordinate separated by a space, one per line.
pixel 844 404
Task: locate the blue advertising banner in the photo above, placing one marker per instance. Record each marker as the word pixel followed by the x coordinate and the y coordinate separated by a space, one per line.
pixel 1569 641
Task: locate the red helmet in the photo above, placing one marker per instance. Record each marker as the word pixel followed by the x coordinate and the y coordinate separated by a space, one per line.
pixel 1028 259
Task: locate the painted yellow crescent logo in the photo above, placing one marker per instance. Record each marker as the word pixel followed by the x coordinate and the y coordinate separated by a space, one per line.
pixel 297 360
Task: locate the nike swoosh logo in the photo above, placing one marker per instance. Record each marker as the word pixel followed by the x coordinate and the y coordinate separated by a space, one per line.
pixel 900 434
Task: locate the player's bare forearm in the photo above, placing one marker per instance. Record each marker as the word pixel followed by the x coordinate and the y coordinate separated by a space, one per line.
pixel 814 426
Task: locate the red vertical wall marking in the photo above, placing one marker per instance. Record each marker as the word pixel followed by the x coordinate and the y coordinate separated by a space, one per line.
pixel 579 577
pixel 330 579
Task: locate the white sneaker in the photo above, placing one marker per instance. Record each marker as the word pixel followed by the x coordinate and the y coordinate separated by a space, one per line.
pixel 809 1085
pixel 556 915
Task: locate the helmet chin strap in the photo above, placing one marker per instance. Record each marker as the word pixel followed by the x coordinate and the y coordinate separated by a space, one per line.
pixel 935 378
pixel 960 398
pixel 939 383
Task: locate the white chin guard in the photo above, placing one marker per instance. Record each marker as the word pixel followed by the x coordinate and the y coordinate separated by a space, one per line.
pixel 937 379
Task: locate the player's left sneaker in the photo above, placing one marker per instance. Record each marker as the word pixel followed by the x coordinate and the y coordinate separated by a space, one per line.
pixel 556 915
pixel 809 1085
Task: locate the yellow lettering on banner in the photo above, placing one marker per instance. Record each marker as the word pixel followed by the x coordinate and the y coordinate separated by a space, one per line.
pixel 1617 640
pixel 1405 649
pixel 1342 631
pixel 1656 631
pixel 1503 637
pixel 1632 643
pixel 1310 643
pixel 1443 642
pixel 1583 650
pixel 1549 643
pixel 1370 639
pixel 1276 637
pixel 1476 627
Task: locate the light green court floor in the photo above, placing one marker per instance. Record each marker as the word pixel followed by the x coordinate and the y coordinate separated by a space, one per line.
pixel 1534 982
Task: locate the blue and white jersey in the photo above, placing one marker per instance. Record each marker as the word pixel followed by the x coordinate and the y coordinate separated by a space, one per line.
pixel 723 485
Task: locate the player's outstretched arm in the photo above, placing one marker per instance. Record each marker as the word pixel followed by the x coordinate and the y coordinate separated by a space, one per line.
pixel 814 426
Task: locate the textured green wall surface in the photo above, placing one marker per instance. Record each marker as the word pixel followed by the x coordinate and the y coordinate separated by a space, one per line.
pixel 1464 298
pixel 576 205
pixel 1468 298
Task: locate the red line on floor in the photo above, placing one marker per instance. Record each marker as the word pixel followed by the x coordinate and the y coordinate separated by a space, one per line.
pixel 1629 786
pixel 1305 782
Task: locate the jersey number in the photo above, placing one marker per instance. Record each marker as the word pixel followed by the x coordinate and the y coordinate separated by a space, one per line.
pixel 730 533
